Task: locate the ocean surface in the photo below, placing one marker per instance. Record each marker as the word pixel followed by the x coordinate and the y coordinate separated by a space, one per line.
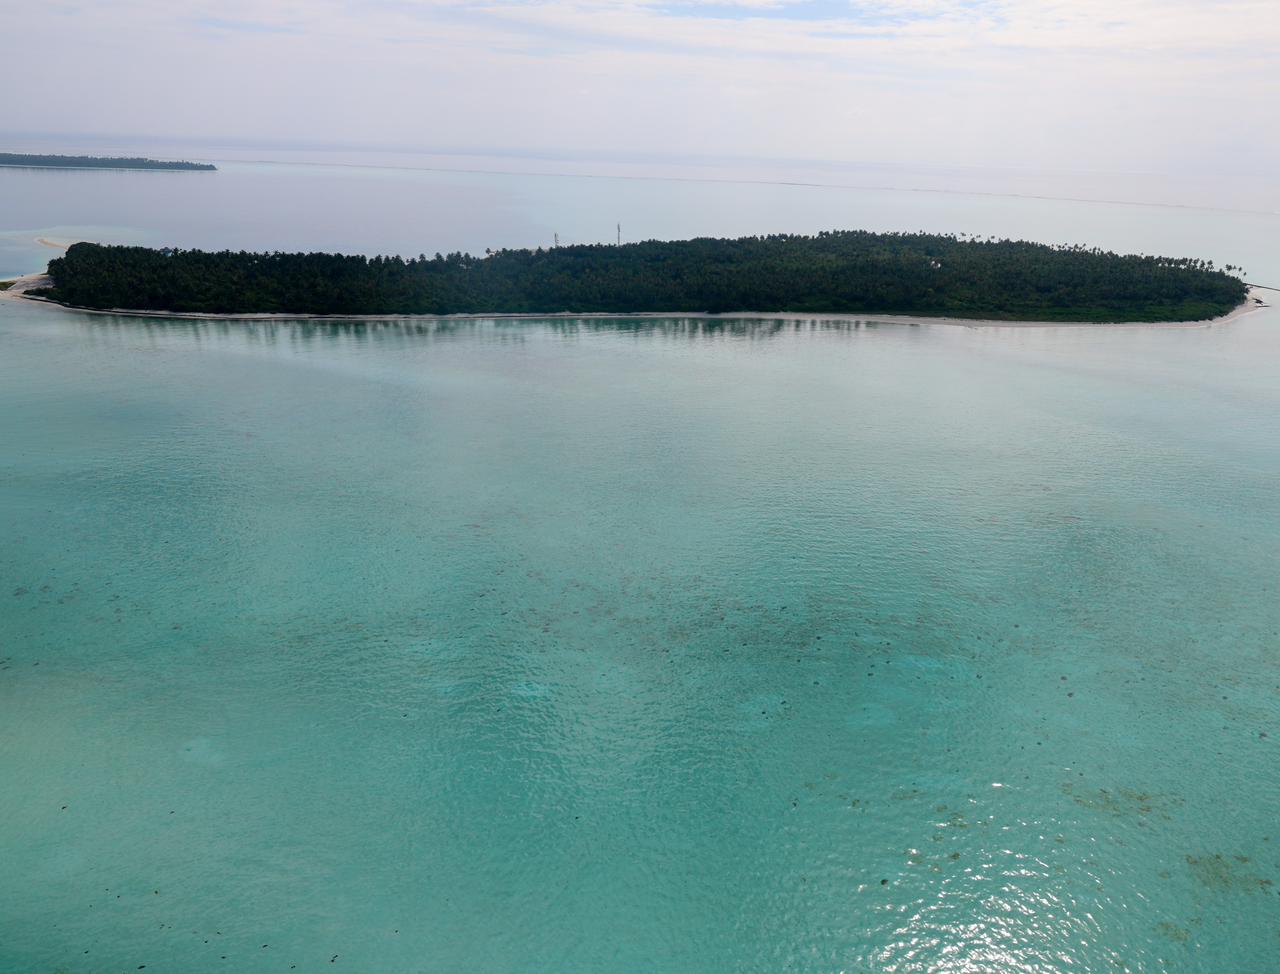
pixel 644 645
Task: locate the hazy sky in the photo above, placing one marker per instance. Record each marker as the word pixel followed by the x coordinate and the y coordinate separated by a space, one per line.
pixel 1131 85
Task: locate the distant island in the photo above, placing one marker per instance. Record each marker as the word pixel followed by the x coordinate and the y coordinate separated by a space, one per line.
pixel 850 272
pixel 25 161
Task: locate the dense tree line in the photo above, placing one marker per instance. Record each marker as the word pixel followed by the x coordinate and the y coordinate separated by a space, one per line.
pixel 846 271
pixel 94 162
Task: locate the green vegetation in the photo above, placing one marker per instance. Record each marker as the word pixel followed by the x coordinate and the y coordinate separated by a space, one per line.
pixel 26 161
pixel 847 271
pixel 5 285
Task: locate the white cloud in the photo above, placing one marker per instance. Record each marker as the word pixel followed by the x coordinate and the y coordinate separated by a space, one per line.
pixel 1083 84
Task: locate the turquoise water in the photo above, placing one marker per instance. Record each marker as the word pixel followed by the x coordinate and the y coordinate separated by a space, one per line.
pixel 662 645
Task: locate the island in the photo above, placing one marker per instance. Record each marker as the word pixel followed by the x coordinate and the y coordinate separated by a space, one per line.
pixel 840 272
pixel 22 160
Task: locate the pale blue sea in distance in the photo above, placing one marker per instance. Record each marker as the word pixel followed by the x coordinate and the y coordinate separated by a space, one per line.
pixel 662 644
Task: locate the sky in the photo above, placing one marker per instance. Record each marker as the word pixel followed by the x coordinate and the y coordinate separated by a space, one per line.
pixel 1130 86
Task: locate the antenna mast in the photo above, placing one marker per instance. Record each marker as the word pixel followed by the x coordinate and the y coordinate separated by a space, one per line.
pixel 619 234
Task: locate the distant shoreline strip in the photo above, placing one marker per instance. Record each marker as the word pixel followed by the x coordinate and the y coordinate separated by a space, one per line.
pixel 56 160
pixel 32 165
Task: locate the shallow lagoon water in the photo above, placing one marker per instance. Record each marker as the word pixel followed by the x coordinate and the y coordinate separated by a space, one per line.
pixel 665 644
pixel 651 645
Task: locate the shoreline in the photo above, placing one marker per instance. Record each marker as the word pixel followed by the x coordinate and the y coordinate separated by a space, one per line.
pixel 18 291
pixel 14 165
